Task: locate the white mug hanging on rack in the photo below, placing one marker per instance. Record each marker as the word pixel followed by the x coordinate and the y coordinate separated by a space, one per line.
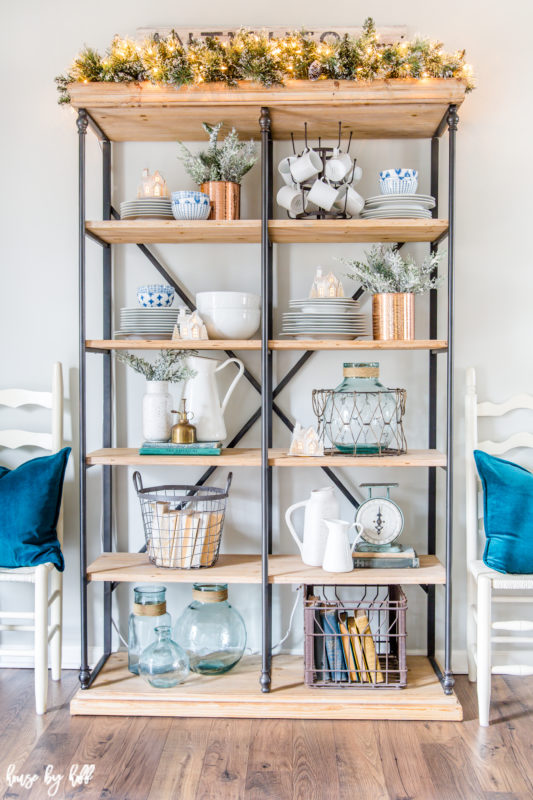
pixel 284 169
pixel 306 166
pixel 323 195
pixel 338 166
pixel 290 198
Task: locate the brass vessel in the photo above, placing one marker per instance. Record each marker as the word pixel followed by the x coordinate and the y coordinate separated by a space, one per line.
pixel 393 316
pixel 225 197
pixel 183 432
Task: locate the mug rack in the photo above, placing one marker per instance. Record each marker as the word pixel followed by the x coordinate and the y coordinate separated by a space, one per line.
pixel 325 153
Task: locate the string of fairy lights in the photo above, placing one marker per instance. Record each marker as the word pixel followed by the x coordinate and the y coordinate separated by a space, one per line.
pixel 252 56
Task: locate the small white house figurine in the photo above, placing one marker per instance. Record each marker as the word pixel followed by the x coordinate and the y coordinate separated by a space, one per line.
pixel 152 185
pixel 305 442
pixel 189 326
pixel 326 285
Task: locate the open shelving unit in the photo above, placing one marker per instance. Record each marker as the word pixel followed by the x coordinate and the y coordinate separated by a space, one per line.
pixel 263 686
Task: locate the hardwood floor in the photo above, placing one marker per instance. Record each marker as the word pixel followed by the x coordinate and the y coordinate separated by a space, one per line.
pixel 202 759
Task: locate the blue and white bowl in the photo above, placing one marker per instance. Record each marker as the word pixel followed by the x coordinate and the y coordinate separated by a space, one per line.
pixel 398 181
pixel 190 205
pixel 158 295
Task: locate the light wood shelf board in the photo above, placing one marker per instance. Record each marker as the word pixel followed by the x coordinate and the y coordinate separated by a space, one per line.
pixel 286 231
pixel 287 569
pixel 290 569
pixel 168 344
pixel 357 344
pixel 389 109
pixel 137 567
pixel 251 457
pixel 237 694
pixel 413 458
pixel 162 231
pixel 274 344
pixel 129 456
pixel 283 231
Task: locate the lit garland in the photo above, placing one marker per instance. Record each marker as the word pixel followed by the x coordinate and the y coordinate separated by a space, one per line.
pixel 252 57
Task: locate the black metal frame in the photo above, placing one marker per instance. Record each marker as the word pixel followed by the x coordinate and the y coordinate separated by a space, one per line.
pixel 267 391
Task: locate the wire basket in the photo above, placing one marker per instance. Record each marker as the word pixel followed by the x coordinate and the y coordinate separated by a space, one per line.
pixel 182 524
pixel 356 643
pixel 361 422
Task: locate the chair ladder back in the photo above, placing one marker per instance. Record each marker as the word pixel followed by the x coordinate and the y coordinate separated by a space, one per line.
pixel 14 398
pixel 472 481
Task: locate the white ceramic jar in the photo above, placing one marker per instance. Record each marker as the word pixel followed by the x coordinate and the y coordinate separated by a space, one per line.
pixel 157 405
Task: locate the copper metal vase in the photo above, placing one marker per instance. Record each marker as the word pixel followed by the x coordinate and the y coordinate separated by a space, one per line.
pixel 225 198
pixel 393 316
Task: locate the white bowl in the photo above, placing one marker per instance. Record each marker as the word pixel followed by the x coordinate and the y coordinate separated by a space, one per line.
pixel 238 300
pixel 231 323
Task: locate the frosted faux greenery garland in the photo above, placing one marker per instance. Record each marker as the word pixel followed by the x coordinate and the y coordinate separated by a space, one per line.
pixel 255 57
pixel 168 366
pixel 386 271
pixel 228 161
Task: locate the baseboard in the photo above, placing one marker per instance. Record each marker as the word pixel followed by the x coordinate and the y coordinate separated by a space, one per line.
pixel 71 658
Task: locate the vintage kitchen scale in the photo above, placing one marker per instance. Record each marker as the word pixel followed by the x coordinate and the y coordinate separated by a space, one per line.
pixel 382 522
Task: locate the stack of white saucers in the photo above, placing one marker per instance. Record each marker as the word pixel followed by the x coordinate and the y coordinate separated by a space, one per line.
pixel 324 318
pixel 397 206
pixel 147 323
pixel 147 208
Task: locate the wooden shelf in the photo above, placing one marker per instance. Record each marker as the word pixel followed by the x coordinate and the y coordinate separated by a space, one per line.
pixel 237 694
pixel 282 231
pixel 129 456
pixel 168 344
pixel 286 231
pixel 132 567
pixel 251 457
pixel 392 109
pixel 255 344
pixel 413 458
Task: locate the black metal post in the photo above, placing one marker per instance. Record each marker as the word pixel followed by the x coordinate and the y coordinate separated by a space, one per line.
pixel 107 428
pixel 432 421
pixel 449 680
pixel 82 123
pixel 266 395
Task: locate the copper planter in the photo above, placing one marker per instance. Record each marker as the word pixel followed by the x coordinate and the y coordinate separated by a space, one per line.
pixel 225 198
pixel 393 316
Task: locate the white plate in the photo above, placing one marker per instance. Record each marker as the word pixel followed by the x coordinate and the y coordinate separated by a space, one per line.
pixel 395 215
pixel 390 198
pixel 141 335
pixel 312 335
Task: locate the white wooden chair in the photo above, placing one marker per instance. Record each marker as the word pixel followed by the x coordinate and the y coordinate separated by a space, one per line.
pixel 44 633
pixel 483 584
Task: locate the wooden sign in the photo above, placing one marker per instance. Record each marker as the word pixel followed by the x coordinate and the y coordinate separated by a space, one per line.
pixel 387 34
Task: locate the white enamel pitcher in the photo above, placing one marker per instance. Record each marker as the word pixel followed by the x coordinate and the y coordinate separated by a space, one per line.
pixel 322 503
pixel 338 552
pixel 203 400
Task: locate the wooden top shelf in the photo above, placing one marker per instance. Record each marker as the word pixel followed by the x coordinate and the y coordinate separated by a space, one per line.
pixel 288 569
pixel 392 109
pixel 274 344
pixel 251 457
pixel 282 231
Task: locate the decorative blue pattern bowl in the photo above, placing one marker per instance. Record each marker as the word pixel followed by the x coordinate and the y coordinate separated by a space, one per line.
pixel 158 295
pixel 190 205
pixel 398 181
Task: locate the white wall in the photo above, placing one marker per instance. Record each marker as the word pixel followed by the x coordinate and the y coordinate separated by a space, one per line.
pixel 38 315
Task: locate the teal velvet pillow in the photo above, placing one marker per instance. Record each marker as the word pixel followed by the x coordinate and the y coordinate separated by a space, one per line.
pixel 30 499
pixel 508 514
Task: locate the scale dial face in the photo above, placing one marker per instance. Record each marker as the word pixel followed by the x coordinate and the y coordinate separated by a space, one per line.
pixel 382 520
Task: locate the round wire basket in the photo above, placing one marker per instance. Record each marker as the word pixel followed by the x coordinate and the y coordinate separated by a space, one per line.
pixel 182 524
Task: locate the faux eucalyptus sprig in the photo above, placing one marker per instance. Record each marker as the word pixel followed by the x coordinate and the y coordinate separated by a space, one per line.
pixel 169 365
pixel 228 161
pixel 386 271
pixel 251 56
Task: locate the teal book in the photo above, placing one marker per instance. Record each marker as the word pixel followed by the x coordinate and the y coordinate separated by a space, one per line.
pixel 335 657
pixel 148 449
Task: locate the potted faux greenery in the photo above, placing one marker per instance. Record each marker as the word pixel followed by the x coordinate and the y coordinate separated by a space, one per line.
pixel 169 367
pixel 219 170
pixel 393 282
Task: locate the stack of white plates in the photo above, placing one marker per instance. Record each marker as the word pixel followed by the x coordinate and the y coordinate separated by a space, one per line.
pixel 397 206
pixel 147 208
pixel 324 318
pixel 147 323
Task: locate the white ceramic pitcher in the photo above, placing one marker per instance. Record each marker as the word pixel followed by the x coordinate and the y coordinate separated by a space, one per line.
pixel 201 394
pixel 338 552
pixel 322 503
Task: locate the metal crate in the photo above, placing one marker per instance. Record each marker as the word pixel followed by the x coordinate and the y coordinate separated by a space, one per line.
pixel 357 642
